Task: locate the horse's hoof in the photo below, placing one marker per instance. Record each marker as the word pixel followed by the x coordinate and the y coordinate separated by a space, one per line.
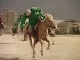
pixel 41 53
pixel 12 34
pixel 24 40
pixel 34 59
pixel 48 48
pixel 33 56
pixel 52 43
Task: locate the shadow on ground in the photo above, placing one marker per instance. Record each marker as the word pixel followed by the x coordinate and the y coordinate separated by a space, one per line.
pixel 4 58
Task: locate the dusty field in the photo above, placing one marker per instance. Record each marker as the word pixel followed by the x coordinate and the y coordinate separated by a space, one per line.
pixel 66 47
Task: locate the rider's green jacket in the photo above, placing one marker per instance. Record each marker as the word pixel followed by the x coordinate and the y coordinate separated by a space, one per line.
pixel 36 14
pixel 16 25
pixel 24 16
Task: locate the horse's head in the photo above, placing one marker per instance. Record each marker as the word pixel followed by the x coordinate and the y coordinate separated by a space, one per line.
pixel 49 20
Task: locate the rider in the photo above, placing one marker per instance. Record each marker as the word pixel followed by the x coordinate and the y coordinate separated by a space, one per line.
pixel 14 29
pixel 24 16
pixel 34 15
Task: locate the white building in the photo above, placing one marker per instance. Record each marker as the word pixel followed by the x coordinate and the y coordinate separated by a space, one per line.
pixel 69 27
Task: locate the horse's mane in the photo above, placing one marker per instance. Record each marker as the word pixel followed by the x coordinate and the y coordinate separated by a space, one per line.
pixel 48 15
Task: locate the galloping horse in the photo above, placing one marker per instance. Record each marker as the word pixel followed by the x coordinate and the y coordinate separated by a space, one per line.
pixel 20 32
pixel 1 26
pixel 41 33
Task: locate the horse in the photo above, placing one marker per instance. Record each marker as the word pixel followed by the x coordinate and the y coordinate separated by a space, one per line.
pixel 51 33
pixel 19 32
pixel 41 33
pixel 1 28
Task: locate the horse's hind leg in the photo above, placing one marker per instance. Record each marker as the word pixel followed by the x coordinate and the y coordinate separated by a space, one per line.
pixel 48 42
pixel 35 42
pixel 25 36
pixel 13 34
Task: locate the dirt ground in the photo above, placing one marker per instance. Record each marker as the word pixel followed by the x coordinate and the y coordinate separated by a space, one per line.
pixel 66 47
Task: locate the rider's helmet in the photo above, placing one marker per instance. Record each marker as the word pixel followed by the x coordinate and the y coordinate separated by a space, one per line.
pixel 28 12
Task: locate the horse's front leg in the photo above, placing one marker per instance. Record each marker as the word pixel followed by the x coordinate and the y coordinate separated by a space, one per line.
pixel 25 37
pixel 41 46
pixel 34 51
pixel 35 42
pixel 48 43
pixel 52 41
pixel 30 39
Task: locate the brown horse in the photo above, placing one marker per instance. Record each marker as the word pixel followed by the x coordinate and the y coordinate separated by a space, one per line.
pixel 41 33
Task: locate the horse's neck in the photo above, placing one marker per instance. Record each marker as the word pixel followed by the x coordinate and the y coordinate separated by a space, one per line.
pixel 43 26
pixel 42 30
